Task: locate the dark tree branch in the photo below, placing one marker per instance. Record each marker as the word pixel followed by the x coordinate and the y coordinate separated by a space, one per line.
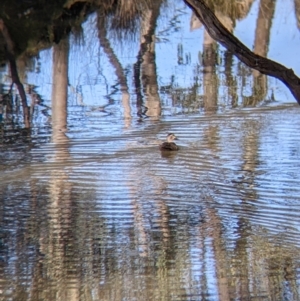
pixel 9 45
pixel 266 66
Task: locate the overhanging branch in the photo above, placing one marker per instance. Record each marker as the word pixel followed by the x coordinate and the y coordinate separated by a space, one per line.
pixel 264 65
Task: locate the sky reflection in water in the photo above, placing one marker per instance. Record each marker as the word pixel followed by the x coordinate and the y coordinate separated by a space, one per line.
pixel 101 215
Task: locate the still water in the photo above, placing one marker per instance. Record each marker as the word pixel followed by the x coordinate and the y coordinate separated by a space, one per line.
pixel 92 210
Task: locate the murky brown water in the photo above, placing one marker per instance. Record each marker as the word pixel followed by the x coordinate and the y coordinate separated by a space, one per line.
pixel 92 210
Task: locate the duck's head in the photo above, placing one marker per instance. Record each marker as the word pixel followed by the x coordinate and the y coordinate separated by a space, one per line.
pixel 171 137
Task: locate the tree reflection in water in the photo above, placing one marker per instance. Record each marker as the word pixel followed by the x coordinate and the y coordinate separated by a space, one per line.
pixel 91 209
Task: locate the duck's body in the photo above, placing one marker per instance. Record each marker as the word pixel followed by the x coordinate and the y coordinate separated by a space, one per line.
pixel 169 145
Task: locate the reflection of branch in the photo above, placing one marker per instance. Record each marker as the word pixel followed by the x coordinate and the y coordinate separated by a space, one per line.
pixel 137 82
pixel 266 66
pixel 113 59
pixel 105 44
pixel 145 69
pixel 9 45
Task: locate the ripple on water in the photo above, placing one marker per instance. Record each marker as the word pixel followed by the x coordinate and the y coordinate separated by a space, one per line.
pixel 112 210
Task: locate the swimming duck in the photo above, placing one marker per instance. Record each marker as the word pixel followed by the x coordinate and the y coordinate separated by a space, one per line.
pixel 169 145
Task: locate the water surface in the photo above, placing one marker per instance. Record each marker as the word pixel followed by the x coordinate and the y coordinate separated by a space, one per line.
pixel 92 210
pixel 111 218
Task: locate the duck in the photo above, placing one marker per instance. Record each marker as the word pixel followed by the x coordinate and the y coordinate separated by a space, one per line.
pixel 169 145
